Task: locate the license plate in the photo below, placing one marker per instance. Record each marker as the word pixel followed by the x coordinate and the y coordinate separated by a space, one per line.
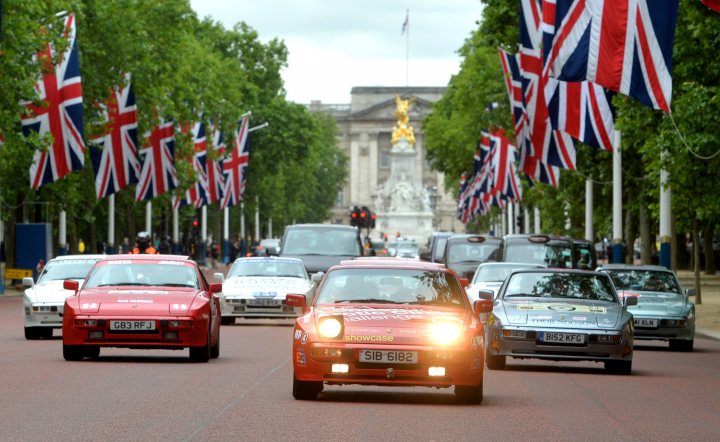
pixel 562 338
pixel 264 302
pixel 648 323
pixel 132 325
pixel 389 356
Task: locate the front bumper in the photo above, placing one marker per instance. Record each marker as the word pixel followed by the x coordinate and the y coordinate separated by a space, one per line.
pixel 245 308
pixel 665 329
pixel 462 366
pixel 531 347
pixel 43 315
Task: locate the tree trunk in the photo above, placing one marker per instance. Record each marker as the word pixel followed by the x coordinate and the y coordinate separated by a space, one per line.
pixel 630 234
pixel 708 235
pixel 696 258
pixel 646 241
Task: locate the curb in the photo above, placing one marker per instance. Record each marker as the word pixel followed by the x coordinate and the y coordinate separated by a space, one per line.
pixel 708 334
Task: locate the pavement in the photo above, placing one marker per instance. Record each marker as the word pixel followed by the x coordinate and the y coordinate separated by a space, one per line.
pixel 707 313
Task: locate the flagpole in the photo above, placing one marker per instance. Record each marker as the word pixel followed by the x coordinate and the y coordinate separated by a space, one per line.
pixel 407 49
pixel 176 231
pixel 110 249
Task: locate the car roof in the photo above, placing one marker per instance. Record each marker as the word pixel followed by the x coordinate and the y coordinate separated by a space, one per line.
pixel 68 257
pixel 633 267
pixel 464 236
pixel 519 236
pixel 268 258
pixel 556 270
pixel 322 226
pixel 510 263
pixel 147 257
pixel 384 262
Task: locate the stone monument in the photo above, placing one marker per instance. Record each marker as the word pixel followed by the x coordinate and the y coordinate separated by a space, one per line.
pixel 402 203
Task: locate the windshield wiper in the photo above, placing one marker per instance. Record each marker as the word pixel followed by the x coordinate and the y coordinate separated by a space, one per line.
pixel 368 300
pixel 175 284
pixel 522 295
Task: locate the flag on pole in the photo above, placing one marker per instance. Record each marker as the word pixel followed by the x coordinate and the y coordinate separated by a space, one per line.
pixel 406 23
pixel 158 174
pixel 623 45
pixel 712 4
pixel 60 113
pixel 235 166
pixel 116 163
pixel 215 176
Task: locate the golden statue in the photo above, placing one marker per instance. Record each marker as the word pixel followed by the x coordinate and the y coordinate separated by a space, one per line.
pixel 403 130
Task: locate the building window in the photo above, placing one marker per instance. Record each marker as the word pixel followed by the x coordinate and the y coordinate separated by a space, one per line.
pixel 340 199
pixel 384 159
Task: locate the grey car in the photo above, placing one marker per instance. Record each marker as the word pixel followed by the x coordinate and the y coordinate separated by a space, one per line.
pixel 663 311
pixel 489 277
pixel 561 315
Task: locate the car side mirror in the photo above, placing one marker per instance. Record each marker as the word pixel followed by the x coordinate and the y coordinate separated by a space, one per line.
pixel 688 292
pixel 317 277
pixel 631 300
pixel 28 282
pixel 219 277
pixel 71 285
pixel 486 294
pixel 296 300
pixel 482 306
pixel 271 251
pixel 215 288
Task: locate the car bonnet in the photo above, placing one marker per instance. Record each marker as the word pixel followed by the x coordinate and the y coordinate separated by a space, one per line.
pixel 656 303
pixel 570 313
pixel 138 301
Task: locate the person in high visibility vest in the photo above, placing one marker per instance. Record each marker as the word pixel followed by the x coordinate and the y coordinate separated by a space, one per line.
pixel 142 245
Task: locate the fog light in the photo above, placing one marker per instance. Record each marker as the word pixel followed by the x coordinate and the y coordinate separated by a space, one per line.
pixel 170 335
pixel 327 352
pixel 340 368
pixel 514 333
pixel 436 371
pixel 95 334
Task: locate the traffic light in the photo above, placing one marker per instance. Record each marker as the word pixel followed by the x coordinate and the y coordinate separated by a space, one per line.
pixel 355 217
pixel 373 217
pixel 195 228
pixel 364 218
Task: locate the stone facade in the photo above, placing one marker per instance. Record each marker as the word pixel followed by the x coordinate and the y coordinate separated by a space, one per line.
pixel 364 133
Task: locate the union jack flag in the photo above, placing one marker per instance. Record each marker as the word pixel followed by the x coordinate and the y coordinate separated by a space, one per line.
pixel 505 178
pixel 158 174
pixel 513 84
pixel 623 45
pixel 550 146
pixel 60 114
pixel 116 163
pixel 235 166
pixel 215 176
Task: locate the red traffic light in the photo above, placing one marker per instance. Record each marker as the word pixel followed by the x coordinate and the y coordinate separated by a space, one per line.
pixel 363 214
pixel 353 215
pixel 373 216
pixel 196 223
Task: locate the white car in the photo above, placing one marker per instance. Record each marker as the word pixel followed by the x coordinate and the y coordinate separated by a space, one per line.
pixel 44 300
pixel 256 287
pixel 489 276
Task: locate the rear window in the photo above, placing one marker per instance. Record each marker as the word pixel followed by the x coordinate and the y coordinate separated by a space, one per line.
pixel 320 241
pixel 550 255
pixel 439 249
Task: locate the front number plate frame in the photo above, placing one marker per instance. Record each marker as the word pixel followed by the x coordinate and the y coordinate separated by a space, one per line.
pixel 562 338
pixel 388 356
pixel 128 326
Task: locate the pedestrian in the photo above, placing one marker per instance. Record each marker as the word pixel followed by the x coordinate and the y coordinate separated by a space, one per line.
pixel 38 269
pixel 124 246
pixel 142 244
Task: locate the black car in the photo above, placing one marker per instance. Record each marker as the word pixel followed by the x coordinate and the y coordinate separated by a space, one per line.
pixel 584 255
pixel 321 246
pixel 436 248
pixel 465 252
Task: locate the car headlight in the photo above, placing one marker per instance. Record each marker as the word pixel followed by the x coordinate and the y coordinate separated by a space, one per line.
pixel 446 332
pixel 330 327
pixel 179 309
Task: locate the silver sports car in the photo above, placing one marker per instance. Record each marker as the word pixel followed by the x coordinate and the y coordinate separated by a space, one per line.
pixel 663 311
pixel 561 315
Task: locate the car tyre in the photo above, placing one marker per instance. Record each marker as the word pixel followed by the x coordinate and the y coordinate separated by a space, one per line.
pixel 227 320
pixel 201 353
pixel 32 333
pixel 682 344
pixel 494 362
pixel 92 352
pixel 73 352
pixel 469 394
pixel 306 390
pixel 619 367
pixel 215 349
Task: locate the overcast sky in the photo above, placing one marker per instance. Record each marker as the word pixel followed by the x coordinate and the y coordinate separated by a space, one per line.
pixel 335 45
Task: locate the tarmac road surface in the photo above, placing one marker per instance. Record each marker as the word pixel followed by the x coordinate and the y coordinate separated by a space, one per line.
pixel 246 395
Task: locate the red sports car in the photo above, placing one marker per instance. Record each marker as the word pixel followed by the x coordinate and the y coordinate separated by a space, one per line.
pixel 389 322
pixel 142 301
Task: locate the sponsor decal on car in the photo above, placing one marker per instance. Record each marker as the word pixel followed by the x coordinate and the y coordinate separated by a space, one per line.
pixel 562 308
pixel 298 334
pixel 373 338
pixel 304 337
pixel 300 358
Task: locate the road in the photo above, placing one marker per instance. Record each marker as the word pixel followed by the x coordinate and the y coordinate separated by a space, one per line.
pixel 246 395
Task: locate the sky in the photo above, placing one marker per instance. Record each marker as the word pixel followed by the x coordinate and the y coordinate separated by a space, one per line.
pixel 335 45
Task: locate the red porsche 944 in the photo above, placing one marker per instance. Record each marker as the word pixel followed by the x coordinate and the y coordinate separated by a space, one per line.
pixel 389 322
pixel 142 302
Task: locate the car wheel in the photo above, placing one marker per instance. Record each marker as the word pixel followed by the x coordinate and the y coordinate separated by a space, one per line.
pixel 215 349
pixel 202 353
pixel 306 390
pixel 73 352
pixel 227 320
pixel 92 352
pixel 32 333
pixel 45 332
pixel 619 367
pixel 682 344
pixel 494 362
pixel 469 394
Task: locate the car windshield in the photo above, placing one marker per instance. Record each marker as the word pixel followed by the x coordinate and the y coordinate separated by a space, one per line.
pixel 589 286
pixel 391 286
pixel 269 267
pixel 550 255
pixel 495 273
pixel 309 241
pixel 119 273
pixel 645 280
pixel 66 269
pixel 469 252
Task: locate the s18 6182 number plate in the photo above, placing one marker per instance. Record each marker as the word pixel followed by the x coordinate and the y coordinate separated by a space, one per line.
pixel 389 356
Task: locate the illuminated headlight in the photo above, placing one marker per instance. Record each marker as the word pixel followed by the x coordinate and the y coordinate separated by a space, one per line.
pixel 446 332
pixel 330 327
pixel 89 307
pixel 436 371
pixel 340 368
pixel 179 308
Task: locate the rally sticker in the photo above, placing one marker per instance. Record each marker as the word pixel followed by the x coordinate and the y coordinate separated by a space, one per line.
pixel 562 308
pixel 298 333
pixel 304 337
pixel 300 358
